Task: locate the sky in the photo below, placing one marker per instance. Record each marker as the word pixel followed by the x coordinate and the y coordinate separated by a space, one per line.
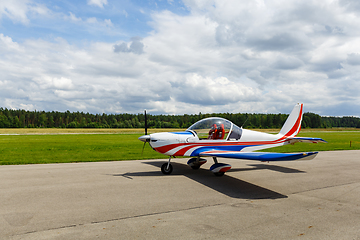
pixel 180 57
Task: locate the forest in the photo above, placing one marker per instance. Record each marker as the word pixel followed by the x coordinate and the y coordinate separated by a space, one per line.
pixel 40 119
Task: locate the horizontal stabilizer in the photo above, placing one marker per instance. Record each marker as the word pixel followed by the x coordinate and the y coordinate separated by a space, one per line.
pixel 260 156
pixel 293 140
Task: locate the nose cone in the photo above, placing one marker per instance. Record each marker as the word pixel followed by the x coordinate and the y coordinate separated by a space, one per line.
pixel 145 138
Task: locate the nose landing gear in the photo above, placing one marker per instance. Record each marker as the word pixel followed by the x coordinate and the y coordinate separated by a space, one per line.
pixel 167 168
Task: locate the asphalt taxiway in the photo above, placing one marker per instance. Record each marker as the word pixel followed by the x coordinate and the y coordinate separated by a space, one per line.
pixel 317 199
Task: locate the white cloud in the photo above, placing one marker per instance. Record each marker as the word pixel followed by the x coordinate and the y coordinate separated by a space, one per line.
pixel 136 46
pixel 72 17
pixel 108 22
pixel 7 44
pixel 207 91
pixel 46 82
pixel 93 21
pixel 248 56
pixel 353 58
pixel 92 24
pixel 18 10
pixel 99 3
pixel 125 13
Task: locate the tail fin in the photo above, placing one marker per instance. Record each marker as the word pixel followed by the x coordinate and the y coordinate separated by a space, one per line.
pixel 292 125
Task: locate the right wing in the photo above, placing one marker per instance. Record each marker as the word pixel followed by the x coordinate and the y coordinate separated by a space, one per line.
pixel 260 156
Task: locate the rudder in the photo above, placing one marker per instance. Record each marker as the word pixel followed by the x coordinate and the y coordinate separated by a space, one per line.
pixel 292 125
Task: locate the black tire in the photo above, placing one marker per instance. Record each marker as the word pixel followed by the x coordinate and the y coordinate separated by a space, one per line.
pixel 219 174
pixel 195 167
pixel 165 170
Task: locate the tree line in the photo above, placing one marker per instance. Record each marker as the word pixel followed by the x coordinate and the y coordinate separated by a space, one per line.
pixel 10 118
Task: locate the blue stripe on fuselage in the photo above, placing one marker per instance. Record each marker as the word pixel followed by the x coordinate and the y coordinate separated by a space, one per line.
pixel 219 148
pixel 182 133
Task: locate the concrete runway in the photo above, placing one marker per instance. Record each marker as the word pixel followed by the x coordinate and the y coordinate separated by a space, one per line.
pixel 317 199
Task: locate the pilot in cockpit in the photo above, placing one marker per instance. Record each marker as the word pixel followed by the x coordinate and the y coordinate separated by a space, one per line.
pixel 217 132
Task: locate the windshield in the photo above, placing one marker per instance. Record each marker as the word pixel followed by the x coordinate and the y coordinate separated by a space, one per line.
pixel 212 128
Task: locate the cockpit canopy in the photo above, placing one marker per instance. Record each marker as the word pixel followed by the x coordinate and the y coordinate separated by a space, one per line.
pixel 216 128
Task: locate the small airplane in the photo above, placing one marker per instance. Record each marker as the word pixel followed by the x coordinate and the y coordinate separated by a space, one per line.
pixel 218 137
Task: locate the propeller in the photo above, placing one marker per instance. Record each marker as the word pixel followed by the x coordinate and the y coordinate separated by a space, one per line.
pixel 142 152
pixel 146 137
pixel 145 122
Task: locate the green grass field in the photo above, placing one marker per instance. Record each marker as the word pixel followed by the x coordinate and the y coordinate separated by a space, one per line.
pixel 52 147
pixel 29 149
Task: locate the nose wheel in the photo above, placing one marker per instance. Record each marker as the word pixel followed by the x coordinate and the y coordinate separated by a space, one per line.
pixel 167 168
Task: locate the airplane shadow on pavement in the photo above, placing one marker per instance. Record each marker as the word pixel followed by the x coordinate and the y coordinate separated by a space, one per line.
pixel 266 166
pixel 226 184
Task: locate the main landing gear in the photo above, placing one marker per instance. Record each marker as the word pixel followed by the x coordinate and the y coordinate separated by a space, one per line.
pixel 217 168
pixel 195 163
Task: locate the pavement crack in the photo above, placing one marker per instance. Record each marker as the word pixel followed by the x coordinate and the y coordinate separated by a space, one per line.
pixel 314 189
pixel 49 229
pixel 119 219
pixel 157 213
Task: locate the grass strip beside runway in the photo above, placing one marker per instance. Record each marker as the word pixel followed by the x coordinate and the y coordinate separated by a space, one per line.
pixel 30 149
pixel 59 148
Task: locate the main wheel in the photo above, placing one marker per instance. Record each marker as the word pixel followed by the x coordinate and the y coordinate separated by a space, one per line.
pixel 165 169
pixel 219 174
pixel 195 167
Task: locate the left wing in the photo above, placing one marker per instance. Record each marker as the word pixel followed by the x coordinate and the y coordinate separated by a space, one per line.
pixel 260 156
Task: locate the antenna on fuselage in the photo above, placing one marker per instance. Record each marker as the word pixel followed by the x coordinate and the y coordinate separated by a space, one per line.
pixel 244 122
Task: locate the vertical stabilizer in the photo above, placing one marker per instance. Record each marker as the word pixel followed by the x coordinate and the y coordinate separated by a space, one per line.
pixel 292 125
